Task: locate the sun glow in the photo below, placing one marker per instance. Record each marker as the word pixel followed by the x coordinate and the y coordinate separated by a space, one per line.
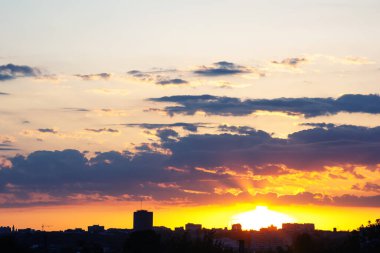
pixel 261 217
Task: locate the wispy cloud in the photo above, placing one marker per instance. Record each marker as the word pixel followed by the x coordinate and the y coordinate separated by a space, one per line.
pixel 225 68
pixel 192 127
pixel 94 77
pixel 101 130
pixel 47 130
pixel 159 77
pixel 291 62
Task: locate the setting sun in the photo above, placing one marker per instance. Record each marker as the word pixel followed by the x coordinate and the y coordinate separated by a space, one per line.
pixel 261 217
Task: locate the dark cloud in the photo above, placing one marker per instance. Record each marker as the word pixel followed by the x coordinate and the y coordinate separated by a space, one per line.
pixel 90 77
pixel 159 77
pixel 196 169
pixel 102 130
pixel 167 135
pixel 368 187
pixel 292 62
pixel 237 129
pixel 311 149
pixel 144 76
pixel 192 127
pixel 309 107
pixel 175 81
pixel 11 71
pixel 68 177
pixel 371 187
pixel 7 147
pixel 222 68
pixel 47 130
pixel 321 125
pixel 4 94
pixel 351 200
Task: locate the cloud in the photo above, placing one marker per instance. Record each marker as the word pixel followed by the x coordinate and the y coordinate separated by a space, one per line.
pixel 242 164
pixel 101 130
pixel 4 94
pixel 175 81
pixel 357 60
pixel 309 107
pixel 11 71
pixel 47 130
pixel 7 147
pixel 306 198
pixel 311 149
pixel 159 77
pixel 143 76
pixel 5 163
pixel 372 187
pixel 175 77
pixel 6 139
pixel 368 187
pixel 349 60
pixel 291 62
pixel 223 68
pixel 236 129
pixel 94 77
pixel 321 125
pixel 192 127
pixel 167 135
pixel 76 109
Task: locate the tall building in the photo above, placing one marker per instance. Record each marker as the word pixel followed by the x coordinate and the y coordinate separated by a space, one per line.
pixel 142 220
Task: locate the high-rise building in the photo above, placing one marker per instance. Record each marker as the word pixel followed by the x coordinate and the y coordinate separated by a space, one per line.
pixel 142 220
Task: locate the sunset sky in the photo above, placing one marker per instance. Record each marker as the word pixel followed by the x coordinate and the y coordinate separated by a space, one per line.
pixel 203 109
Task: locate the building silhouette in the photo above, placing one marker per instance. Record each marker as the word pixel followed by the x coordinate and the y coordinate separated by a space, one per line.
pixel 236 227
pixel 299 228
pixel 193 227
pixel 142 220
pixel 95 229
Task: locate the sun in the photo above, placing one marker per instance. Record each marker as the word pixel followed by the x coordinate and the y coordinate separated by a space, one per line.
pixel 261 217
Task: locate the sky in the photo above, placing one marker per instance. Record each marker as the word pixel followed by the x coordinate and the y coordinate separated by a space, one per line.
pixel 202 109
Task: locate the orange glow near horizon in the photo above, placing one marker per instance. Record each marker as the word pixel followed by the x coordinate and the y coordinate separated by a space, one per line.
pixel 119 215
pixel 261 217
